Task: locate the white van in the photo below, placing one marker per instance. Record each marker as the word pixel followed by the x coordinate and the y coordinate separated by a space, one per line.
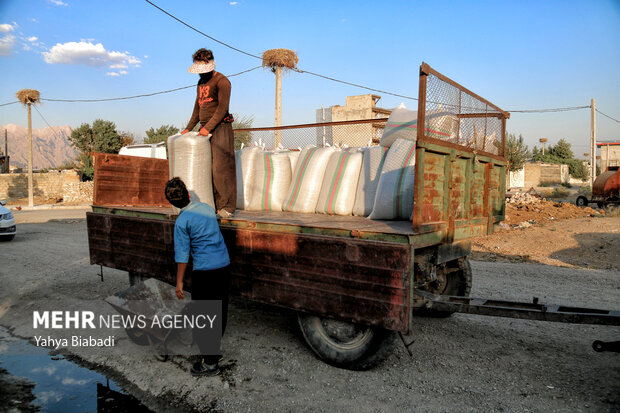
pixel 145 150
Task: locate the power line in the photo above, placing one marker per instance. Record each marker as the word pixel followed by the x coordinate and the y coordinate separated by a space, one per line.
pixel 204 34
pixel 607 116
pixel 566 109
pixel 138 96
pixel 10 103
pixel 345 82
pixel 46 122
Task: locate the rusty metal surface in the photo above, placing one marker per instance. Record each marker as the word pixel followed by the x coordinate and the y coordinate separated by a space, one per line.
pixel 522 310
pixel 607 184
pixel 129 180
pixel 353 280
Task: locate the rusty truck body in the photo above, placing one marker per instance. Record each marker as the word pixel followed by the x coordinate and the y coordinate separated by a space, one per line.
pixel 353 280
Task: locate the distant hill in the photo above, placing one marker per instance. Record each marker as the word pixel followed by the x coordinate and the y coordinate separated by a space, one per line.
pixel 50 146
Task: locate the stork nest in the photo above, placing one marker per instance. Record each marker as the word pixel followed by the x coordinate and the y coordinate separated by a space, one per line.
pixel 26 96
pixel 284 58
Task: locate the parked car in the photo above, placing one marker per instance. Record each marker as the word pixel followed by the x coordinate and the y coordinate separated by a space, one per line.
pixel 7 223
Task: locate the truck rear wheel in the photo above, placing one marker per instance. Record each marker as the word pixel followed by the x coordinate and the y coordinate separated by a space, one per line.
pixel 453 278
pixel 347 345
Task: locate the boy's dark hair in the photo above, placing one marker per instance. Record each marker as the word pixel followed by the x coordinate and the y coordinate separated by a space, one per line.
pixel 176 193
pixel 203 55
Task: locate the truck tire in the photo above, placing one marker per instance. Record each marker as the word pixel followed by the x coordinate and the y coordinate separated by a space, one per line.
pixel 581 201
pixel 453 278
pixel 346 345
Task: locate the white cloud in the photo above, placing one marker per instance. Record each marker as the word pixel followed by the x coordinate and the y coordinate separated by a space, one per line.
pixel 75 382
pixel 123 72
pixel 233 3
pixel 33 39
pixel 26 47
pixel 58 3
pixel 6 44
pixel 6 28
pixel 89 54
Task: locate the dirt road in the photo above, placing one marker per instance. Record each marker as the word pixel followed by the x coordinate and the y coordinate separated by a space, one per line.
pixel 463 363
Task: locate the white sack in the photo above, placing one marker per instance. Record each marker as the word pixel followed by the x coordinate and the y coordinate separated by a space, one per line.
pixel 337 194
pixel 394 199
pixel 190 159
pixel 403 124
pixel 305 187
pixel 244 164
pixel 372 163
pixel 271 180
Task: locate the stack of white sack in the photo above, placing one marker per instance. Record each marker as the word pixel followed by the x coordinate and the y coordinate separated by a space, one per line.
pixel 271 180
pixel 394 198
pixel 372 163
pixel 189 158
pixel 245 159
pixel 305 187
pixel 339 185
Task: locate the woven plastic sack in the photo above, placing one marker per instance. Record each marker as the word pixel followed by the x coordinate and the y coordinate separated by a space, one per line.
pixel 189 158
pixel 340 183
pixel 403 124
pixel 303 193
pixel 372 163
pixel 293 156
pixel 271 180
pixel 394 199
pixel 244 164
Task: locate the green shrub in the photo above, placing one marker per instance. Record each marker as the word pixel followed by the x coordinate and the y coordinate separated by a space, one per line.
pixel 566 185
pixel 559 192
pixel 585 190
pixel 545 184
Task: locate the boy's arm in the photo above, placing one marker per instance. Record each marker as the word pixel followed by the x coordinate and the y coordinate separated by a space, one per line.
pixel 181 254
pixel 181 266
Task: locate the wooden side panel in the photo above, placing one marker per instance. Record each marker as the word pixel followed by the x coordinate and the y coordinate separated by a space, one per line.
pixel 129 180
pixel 353 280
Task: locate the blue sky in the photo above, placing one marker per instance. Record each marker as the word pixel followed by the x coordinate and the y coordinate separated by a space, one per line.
pixel 517 54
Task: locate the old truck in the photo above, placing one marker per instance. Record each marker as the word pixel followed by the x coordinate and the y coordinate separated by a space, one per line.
pixel 354 281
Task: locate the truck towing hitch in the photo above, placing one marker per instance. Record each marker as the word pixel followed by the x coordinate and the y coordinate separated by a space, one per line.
pixel 527 311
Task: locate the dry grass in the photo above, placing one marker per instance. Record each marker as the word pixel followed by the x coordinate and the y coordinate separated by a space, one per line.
pixel 284 58
pixel 28 96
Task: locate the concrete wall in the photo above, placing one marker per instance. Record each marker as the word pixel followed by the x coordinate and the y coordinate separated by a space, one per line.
pixel 610 156
pixel 516 179
pixel 539 172
pixel 46 185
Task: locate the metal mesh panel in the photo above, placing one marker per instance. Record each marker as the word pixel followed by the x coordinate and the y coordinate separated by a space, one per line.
pixel 349 133
pixel 455 115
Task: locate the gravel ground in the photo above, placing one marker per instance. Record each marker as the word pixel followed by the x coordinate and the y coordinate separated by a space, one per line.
pixel 462 363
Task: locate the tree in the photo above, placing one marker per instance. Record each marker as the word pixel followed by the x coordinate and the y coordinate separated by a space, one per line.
pixel 101 137
pixel 244 122
pixel 516 152
pixel 562 150
pixel 161 134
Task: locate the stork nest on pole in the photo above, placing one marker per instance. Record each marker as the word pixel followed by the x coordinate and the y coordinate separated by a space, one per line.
pixel 26 96
pixel 284 58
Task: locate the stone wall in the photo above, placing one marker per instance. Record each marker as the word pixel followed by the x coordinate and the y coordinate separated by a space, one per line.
pixel 549 173
pixel 49 185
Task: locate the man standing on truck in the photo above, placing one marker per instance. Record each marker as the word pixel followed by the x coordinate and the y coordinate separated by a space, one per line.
pixel 197 234
pixel 211 110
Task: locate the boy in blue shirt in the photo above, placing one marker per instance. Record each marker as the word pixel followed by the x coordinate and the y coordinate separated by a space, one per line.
pixel 197 234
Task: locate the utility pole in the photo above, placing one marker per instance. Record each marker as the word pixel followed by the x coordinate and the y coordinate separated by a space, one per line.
pixel 592 142
pixel 30 184
pixel 278 120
